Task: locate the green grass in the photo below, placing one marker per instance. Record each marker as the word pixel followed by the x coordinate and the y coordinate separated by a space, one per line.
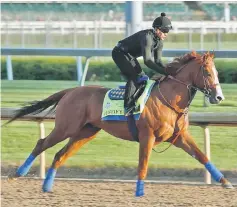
pixel 19 138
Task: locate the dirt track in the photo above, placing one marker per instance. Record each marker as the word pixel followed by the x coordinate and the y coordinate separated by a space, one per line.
pixel 27 193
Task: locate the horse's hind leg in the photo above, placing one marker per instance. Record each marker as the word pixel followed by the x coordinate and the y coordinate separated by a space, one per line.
pixel 52 139
pixel 75 143
pixel 187 143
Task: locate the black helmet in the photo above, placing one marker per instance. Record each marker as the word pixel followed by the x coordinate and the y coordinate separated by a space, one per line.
pixel 162 23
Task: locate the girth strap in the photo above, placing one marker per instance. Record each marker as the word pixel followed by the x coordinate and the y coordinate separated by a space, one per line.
pixel 133 128
pixel 131 121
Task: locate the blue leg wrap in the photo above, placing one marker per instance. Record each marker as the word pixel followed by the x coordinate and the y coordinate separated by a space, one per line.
pixel 140 188
pixel 215 173
pixel 48 182
pixel 23 170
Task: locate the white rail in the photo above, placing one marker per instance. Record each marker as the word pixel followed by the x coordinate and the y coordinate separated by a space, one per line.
pixel 90 27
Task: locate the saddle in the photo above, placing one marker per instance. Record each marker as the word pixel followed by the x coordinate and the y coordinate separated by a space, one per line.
pixel 113 105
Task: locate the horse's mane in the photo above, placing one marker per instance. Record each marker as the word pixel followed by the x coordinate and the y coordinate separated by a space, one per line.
pixel 178 62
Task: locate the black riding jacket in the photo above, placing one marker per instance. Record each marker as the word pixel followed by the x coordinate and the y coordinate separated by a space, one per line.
pixel 145 43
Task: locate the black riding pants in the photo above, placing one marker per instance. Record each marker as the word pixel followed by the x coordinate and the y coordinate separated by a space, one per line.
pixel 130 68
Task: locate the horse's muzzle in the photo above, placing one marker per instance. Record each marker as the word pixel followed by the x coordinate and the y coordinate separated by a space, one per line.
pixel 216 96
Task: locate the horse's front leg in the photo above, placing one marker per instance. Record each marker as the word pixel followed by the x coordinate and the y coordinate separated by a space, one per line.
pixel 186 142
pixel 146 144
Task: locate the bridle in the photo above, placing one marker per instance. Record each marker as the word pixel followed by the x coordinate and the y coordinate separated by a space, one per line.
pixel 207 86
pixel 191 88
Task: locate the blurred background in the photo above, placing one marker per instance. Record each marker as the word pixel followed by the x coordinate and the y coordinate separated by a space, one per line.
pixel 197 25
pixel 60 24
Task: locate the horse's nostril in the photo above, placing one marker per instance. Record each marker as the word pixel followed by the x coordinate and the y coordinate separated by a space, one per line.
pixel 219 98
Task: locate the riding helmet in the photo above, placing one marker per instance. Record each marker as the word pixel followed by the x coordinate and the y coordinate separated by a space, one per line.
pixel 162 23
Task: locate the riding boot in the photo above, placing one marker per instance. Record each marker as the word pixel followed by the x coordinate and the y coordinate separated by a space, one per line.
pixel 141 82
pixel 129 102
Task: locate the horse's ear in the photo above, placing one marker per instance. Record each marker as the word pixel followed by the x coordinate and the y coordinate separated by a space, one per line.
pixel 193 54
pixel 212 55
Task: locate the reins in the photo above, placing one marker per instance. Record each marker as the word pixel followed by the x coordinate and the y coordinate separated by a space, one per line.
pixel 174 140
pixel 206 92
pixel 189 86
pixel 180 114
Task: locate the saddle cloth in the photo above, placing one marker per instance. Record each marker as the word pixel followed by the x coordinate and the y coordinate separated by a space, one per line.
pixel 113 105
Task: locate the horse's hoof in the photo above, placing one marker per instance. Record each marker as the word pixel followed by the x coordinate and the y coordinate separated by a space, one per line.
pixel 227 185
pixel 12 177
pixel 47 190
pixel 139 194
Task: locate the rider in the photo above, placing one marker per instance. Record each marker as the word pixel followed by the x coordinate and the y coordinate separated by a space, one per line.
pixel 147 43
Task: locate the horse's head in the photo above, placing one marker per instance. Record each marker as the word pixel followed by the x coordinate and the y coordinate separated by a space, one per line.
pixel 207 79
pixel 201 72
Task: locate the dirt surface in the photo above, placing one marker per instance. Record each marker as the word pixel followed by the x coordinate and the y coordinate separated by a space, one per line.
pixel 27 193
pixel 164 174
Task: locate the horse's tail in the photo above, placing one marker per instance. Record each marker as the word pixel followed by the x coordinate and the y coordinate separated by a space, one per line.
pixel 36 107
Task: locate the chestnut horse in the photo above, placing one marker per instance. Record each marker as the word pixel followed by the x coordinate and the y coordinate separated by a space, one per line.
pixel 164 118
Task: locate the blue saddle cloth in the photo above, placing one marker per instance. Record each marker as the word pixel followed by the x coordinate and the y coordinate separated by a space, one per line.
pixel 117 93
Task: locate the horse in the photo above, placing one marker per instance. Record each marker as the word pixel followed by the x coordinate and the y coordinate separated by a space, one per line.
pixel 164 118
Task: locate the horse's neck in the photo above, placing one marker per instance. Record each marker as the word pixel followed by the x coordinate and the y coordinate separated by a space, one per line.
pixel 176 93
pixel 186 73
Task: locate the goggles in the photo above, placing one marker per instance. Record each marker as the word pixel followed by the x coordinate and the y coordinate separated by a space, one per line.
pixel 165 29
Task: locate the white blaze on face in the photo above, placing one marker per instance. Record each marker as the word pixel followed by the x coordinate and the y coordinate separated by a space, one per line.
pixel 216 80
pixel 219 93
